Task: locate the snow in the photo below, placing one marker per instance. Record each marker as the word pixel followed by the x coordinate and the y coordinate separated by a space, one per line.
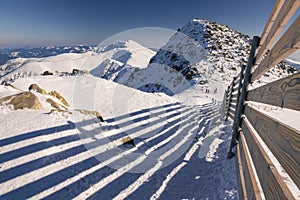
pixel 293 63
pixel 213 49
pixel 53 155
pixel 287 116
pixel 107 62
pixel 180 141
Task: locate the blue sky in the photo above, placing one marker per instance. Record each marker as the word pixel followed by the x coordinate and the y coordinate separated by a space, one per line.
pixel 61 22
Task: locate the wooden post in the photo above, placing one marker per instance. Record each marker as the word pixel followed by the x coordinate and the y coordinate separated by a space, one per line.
pixel 230 98
pixel 226 101
pixel 239 93
pixel 223 106
pixel 242 98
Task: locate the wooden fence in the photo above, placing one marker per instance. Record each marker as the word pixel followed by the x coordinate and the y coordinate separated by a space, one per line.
pixel 267 149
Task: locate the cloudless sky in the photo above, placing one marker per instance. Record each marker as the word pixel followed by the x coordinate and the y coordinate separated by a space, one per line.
pixel 62 22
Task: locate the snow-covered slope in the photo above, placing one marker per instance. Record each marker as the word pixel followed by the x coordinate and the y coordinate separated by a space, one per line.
pixel 225 51
pixel 71 86
pixel 23 67
pixel 215 48
pixel 281 70
pixel 108 61
pixel 200 51
pixel 120 58
pixel 179 146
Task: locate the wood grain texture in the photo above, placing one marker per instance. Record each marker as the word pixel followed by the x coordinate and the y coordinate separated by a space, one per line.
pixel 282 140
pixel 283 93
pixel 240 176
pixel 248 172
pixel 287 44
pixel 270 180
pixel 274 13
pixel 287 11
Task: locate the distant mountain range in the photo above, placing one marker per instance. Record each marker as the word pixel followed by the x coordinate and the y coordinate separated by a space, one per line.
pixel 40 52
pixel 200 51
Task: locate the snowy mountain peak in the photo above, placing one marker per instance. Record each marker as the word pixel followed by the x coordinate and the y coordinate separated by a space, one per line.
pixel 201 47
pixel 207 50
pixel 127 44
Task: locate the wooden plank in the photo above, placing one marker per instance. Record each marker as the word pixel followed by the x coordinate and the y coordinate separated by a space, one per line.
pixel 286 13
pixel 229 96
pixel 274 13
pixel 282 93
pixel 240 176
pixel 270 180
pixel 230 93
pixel 231 115
pixel 282 140
pixel 234 100
pixel 231 86
pixel 233 105
pixel 240 85
pixel 234 95
pixel 237 80
pixel 227 102
pixel 286 45
pixel 251 184
pixel 232 110
pixel 236 88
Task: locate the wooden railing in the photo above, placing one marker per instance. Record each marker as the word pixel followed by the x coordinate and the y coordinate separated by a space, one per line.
pixel 268 149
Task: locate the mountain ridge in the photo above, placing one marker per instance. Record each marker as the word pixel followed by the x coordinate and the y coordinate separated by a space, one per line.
pixel 226 50
pixel 200 51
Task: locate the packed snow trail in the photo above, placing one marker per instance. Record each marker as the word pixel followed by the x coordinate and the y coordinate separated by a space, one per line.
pixel 53 163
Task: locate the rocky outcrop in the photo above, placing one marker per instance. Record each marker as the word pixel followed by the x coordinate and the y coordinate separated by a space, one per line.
pixel 59 97
pixel 47 73
pixel 225 51
pixel 22 100
pixel 36 88
pixel 127 140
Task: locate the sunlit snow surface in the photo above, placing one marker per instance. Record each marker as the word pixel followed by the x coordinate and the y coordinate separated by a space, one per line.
pixel 180 141
pixel 45 155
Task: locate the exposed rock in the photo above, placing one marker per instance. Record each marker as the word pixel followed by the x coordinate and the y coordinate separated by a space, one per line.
pixel 128 140
pixel 91 112
pixel 201 46
pixel 55 104
pixel 59 97
pixel 22 100
pixel 12 86
pixel 36 88
pixel 78 72
pixel 226 50
pixel 60 110
pixel 46 73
